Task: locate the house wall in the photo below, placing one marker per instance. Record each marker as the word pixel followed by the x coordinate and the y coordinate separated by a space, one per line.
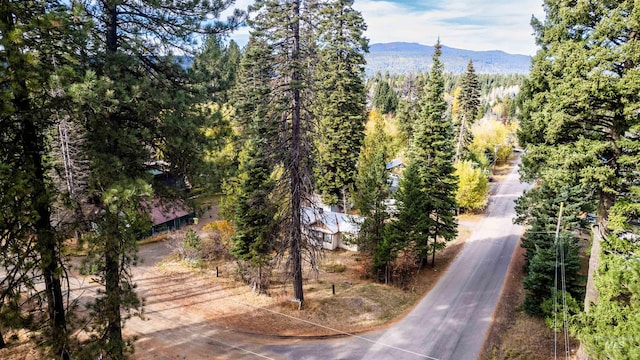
pixel 331 245
pixel 320 240
pixel 343 244
pixel 174 224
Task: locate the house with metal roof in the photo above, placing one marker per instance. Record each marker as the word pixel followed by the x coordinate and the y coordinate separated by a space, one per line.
pixel 332 230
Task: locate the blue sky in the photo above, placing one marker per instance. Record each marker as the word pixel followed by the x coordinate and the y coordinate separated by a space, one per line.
pixel 466 24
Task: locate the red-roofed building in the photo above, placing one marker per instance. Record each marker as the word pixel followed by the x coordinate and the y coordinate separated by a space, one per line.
pixel 169 215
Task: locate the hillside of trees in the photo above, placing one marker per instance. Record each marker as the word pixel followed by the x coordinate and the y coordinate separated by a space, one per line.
pixel 404 58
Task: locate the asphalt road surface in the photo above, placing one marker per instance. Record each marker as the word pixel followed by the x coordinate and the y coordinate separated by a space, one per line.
pixel 452 320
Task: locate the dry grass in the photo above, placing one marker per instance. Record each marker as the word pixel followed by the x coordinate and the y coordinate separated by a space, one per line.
pixel 359 304
pixel 20 347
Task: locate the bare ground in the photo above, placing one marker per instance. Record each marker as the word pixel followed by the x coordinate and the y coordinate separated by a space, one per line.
pixel 359 304
pixel 181 300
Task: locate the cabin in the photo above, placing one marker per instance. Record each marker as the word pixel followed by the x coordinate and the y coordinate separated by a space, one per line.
pixel 332 230
pixel 170 216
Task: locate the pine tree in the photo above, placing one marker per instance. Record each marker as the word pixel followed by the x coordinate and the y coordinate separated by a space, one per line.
pixel 134 103
pixel 254 208
pixel 215 68
pixel 255 220
pixel 408 107
pixel 212 76
pixel 580 125
pixel 385 98
pixel 340 98
pixel 34 37
pixel 469 107
pixel 543 271
pixel 432 155
pixel 278 25
pixel 538 209
pixel 413 227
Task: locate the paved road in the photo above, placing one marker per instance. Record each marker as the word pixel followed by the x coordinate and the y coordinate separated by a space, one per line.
pixel 452 320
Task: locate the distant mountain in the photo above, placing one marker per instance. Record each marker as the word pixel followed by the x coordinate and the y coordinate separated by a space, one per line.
pixel 400 57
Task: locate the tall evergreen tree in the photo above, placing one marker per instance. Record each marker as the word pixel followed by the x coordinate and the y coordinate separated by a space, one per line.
pixel 408 107
pixel 278 24
pixel 135 105
pixel 254 208
pixel 340 98
pixel 385 98
pixel 255 239
pixel 213 74
pixel 413 226
pixel 215 68
pixel 539 210
pixel 618 285
pixel 432 155
pixel 469 107
pixel 35 36
pixel 580 123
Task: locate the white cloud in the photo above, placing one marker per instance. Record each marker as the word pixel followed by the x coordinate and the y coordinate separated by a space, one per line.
pixel 471 24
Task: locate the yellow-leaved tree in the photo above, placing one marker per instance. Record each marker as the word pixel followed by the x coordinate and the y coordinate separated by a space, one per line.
pixel 473 186
pixel 492 140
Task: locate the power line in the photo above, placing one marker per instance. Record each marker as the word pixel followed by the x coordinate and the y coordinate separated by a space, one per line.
pixel 559 247
pixel 241 349
pixel 340 331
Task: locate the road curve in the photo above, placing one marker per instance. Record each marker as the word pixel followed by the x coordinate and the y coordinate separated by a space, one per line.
pixel 452 320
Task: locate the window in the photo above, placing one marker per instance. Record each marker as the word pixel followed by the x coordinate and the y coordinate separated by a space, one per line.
pixel 327 238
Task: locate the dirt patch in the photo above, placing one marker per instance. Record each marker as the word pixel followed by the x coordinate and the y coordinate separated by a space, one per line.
pixel 513 334
pixel 503 168
pixel 336 302
pixel 20 346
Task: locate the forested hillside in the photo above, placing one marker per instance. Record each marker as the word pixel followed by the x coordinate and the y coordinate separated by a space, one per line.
pixel 403 58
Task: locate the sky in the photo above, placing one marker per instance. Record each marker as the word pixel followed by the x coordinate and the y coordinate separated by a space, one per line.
pixel 464 24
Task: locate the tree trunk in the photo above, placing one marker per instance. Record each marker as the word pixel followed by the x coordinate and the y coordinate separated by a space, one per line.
pixel 47 247
pixel 598 230
pixel 2 343
pixel 433 256
pixel 112 27
pixel 456 159
pixel 112 249
pixel 435 242
pixel 33 148
pixel 112 289
pixel 296 153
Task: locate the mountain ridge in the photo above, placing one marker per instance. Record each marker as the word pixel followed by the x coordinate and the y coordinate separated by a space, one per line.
pixel 406 57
